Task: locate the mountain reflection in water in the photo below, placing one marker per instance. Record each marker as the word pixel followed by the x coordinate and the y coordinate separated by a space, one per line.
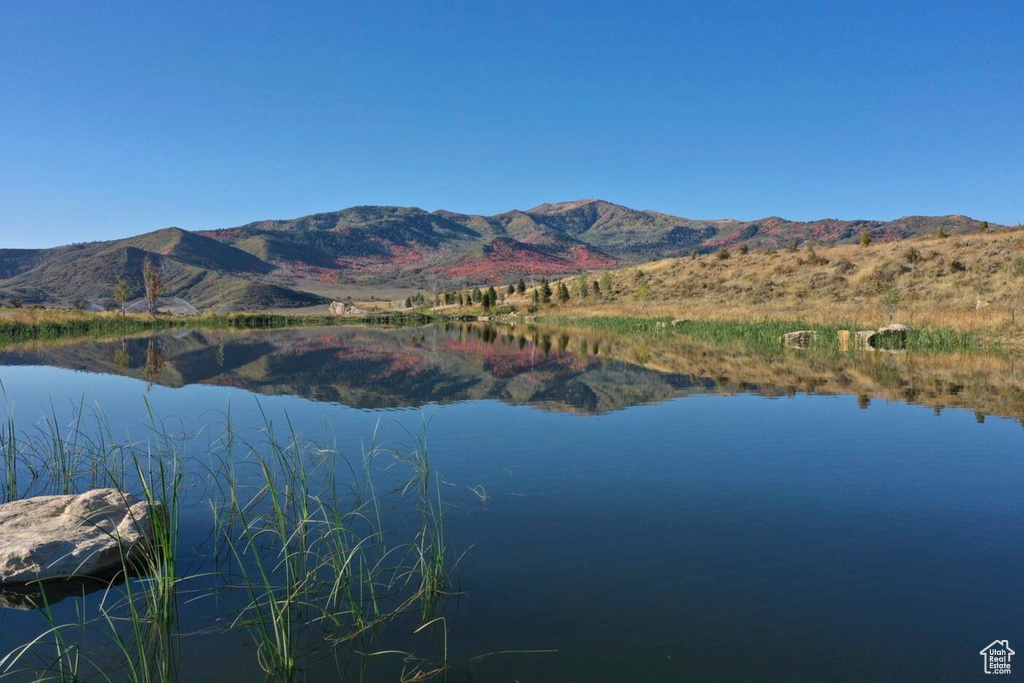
pixel 553 369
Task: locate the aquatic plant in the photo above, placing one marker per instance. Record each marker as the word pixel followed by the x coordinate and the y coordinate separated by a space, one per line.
pixel 308 567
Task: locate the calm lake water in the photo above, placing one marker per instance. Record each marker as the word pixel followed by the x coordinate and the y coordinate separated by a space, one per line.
pixel 621 509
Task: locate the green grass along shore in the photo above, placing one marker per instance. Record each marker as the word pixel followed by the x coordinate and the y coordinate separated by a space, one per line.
pixel 28 326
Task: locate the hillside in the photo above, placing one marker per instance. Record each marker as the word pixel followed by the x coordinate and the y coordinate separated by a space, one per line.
pixel 965 282
pixel 203 271
pixel 307 260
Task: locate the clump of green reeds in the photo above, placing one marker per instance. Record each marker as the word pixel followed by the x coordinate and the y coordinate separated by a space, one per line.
pixel 9 458
pixel 137 612
pixel 430 549
pixel 309 566
pixel 315 562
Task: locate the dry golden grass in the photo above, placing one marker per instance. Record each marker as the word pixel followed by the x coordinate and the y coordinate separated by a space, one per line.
pixel 969 283
pixel 32 316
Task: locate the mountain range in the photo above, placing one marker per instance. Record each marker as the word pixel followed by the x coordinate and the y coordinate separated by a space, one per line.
pixel 310 260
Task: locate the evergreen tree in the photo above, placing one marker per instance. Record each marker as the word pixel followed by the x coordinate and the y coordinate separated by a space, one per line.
pixel 563 292
pixel 545 291
pixel 583 289
pixel 477 295
pixel 521 286
pixel 511 289
pixel 492 294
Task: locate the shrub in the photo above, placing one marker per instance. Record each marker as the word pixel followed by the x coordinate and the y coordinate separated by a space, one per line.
pixel 722 254
pixel 912 255
pixel 845 266
pixel 643 290
pixel 957 266
pixel 891 299
pixel 743 248
pixel 813 258
pixel 865 238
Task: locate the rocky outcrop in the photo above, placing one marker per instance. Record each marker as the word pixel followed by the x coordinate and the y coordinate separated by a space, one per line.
pixel 90 534
pixel 889 338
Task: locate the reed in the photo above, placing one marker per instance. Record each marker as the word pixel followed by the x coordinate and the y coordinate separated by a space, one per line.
pixel 309 567
pixel 9 458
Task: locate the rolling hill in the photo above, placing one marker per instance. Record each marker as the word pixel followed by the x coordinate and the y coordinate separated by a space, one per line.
pixel 303 261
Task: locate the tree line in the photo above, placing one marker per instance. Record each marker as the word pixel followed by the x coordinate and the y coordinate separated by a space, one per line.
pixel 542 293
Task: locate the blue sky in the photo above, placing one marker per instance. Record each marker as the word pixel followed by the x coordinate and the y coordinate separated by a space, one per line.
pixel 118 118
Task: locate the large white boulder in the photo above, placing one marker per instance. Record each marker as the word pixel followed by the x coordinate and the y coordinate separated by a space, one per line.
pixel 48 537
